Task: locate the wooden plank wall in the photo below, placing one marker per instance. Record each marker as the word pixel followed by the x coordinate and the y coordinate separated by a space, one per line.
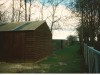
pixel 12 45
pixel 38 44
pixel 26 45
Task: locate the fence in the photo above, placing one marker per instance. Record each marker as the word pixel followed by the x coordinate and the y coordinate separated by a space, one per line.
pixel 92 60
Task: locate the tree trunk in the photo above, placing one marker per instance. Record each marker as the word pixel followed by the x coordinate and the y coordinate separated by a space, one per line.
pixel 30 11
pixel 25 10
pixel 20 10
pixel 13 10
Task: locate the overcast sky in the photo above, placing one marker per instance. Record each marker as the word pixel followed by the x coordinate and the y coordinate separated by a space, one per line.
pixel 68 21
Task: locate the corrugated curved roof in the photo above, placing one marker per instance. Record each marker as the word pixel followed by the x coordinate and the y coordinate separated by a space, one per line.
pixel 20 26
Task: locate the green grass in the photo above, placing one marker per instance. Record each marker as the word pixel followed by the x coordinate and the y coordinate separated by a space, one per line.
pixel 67 60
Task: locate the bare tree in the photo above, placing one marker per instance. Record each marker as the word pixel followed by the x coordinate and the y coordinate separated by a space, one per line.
pixel 29 17
pixel 19 10
pixel 25 10
pixel 42 8
pixel 54 4
pixel 13 10
pixel 3 13
pixel 0 16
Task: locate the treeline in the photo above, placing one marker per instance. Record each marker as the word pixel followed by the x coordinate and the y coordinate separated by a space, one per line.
pixel 17 10
pixel 25 10
pixel 89 28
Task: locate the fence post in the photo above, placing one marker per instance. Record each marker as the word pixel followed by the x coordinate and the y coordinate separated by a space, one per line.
pixel 96 63
pixel 88 60
pixel 93 60
pixel 86 54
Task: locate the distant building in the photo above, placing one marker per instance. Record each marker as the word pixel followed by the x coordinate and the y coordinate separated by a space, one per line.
pixel 25 41
pixel 59 43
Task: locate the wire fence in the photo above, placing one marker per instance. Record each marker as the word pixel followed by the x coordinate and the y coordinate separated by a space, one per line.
pixel 92 59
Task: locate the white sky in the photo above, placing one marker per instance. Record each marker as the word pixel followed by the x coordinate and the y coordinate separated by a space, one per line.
pixel 68 22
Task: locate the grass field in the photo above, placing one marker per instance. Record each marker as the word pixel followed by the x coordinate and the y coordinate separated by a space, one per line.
pixel 67 60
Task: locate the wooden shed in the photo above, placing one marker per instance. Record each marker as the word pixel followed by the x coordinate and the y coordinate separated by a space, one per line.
pixel 25 41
